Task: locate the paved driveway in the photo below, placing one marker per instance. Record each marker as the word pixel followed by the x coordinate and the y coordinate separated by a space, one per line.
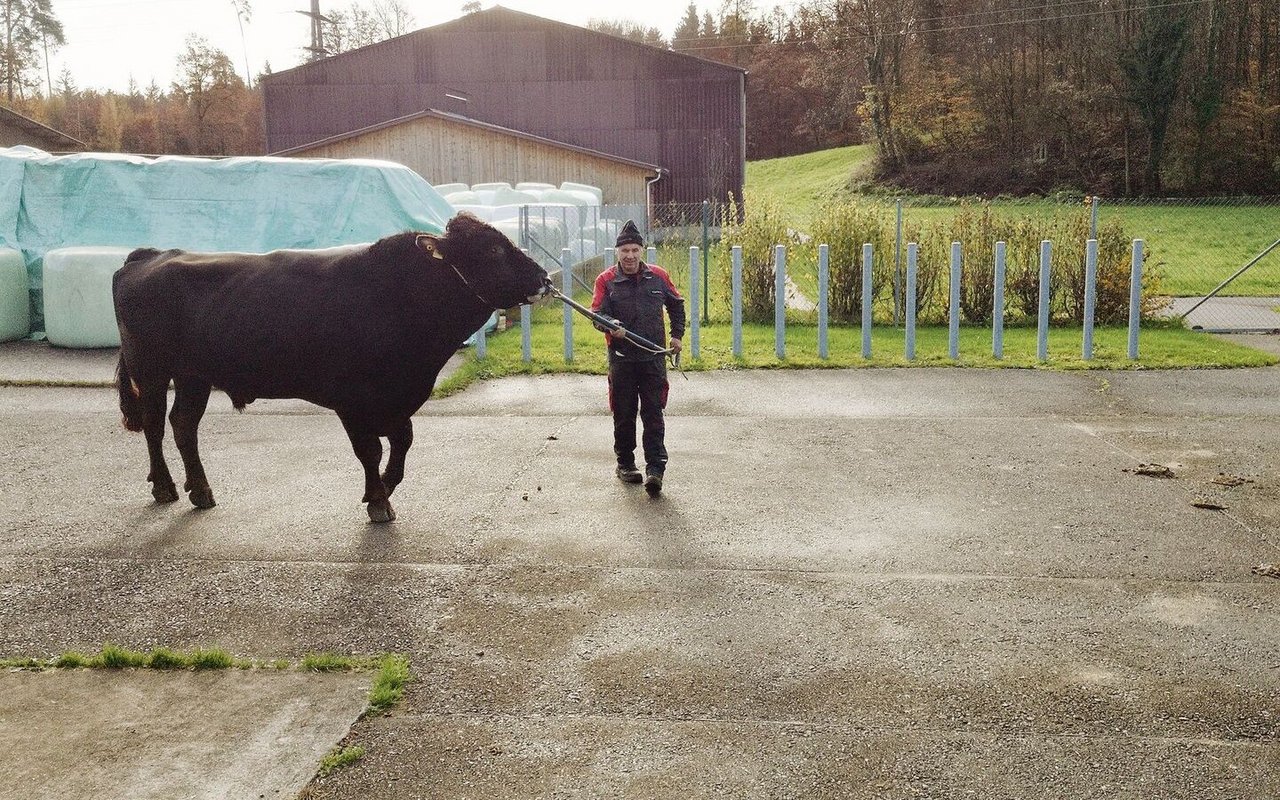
pixel 860 583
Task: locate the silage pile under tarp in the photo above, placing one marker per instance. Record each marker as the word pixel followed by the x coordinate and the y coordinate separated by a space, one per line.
pixel 246 204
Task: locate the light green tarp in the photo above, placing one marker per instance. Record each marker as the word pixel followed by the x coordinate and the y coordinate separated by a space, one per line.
pixel 249 204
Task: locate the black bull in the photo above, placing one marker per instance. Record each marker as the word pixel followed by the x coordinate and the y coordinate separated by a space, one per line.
pixel 362 330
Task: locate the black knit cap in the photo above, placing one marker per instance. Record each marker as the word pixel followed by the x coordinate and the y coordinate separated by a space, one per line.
pixel 630 234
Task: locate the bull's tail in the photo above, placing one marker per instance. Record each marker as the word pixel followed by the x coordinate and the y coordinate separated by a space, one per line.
pixel 130 399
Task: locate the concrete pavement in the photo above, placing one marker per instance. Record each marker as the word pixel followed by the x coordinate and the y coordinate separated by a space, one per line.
pixel 860 583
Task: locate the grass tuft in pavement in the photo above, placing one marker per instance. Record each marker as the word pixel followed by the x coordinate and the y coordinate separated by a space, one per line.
pixel 388 686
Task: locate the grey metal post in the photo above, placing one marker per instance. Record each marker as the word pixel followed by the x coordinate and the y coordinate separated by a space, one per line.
pixel 897 262
pixel 780 301
pixel 706 252
pixel 868 254
pixel 910 301
pixel 526 333
pixel 482 346
pixel 823 280
pixel 1090 296
pixel 650 255
pixel 1135 298
pixel 1042 329
pixel 566 286
pixel 695 291
pixel 1093 217
pixel 953 335
pixel 736 300
pixel 997 306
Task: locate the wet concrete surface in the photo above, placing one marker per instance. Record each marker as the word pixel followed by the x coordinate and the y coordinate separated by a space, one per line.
pixel 859 583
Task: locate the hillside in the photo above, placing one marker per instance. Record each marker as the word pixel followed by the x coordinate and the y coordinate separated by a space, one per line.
pixel 801 183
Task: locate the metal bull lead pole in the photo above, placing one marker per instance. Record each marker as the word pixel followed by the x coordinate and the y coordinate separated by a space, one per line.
pixel 613 325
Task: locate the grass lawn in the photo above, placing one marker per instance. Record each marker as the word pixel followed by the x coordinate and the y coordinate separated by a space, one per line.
pixel 1160 346
pixel 1195 246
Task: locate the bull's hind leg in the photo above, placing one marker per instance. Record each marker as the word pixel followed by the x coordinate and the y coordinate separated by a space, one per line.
pixel 401 440
pixel 153 399
pixel 368 448
pixel 191 397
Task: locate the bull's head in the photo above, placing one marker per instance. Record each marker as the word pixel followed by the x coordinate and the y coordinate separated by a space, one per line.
pixel 487 262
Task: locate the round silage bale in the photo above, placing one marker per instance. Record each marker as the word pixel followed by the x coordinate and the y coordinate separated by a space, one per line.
pixel 15 296
pixel 78 311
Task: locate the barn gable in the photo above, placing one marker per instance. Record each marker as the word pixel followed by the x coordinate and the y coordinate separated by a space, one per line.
pixel 545 78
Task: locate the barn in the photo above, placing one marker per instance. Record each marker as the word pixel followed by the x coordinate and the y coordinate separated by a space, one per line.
pixel 590 93
pixel 448 148
pixel 16 129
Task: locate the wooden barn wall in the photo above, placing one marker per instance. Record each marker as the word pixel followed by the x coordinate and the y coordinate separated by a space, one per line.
pixel 556 81
pixel 11 135
pixel 447 152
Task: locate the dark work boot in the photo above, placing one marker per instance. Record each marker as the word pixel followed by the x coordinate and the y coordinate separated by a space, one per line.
pixel 653 484
pixel 628 474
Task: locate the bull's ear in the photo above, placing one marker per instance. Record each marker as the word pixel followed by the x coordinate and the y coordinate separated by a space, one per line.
pixel 429 244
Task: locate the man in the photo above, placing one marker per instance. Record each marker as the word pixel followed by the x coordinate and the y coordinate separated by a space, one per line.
pixel 635 293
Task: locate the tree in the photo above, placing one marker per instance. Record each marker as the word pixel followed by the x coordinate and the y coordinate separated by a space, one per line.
pixel 626 29
pixel 685 37
pixel 209 89
pixel 1152 67
pixel 360 25
pixel 28 24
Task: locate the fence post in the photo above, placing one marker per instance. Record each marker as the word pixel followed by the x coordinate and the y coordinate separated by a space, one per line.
pixel 823 279
pixel 780 301
pixel 868 254
pixel 910 301
pixel 526 333
pixel 897 262
pixel 1093 217
pixel 1135 298
pixel 997 306
pixel 650 256
pixel 706 253
pixel 1090 296
pixel 566 286
pixel 736 300
pixel 482 346
pixel 1042 328
pixel 953 323
pixel 695 291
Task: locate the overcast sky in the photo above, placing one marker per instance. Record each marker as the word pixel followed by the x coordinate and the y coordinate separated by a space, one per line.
pixel 110 41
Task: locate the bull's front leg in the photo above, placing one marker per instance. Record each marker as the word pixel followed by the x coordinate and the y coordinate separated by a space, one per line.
pixel 368 449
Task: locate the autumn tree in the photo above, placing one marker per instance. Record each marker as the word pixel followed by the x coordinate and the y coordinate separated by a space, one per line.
pixel 210 92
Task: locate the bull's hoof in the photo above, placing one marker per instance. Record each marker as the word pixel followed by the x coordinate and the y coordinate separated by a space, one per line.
pixel 202 498
pixel 381 512
pixel 164 493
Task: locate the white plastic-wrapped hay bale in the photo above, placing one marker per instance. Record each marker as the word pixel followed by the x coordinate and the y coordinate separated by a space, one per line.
pixel 492 186
pixel 447 189
pixel 464 198
pixel 584 248
pixel 513 197
pixel 595 191
pixel 534 186
pixel 15 301
pixel 78 311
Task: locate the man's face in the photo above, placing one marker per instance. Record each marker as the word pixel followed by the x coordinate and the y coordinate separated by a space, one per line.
pixel 629 258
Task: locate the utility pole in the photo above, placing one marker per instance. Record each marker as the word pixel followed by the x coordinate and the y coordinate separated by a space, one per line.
pixel 316 48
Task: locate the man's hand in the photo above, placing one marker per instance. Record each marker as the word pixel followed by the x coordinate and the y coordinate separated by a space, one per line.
pixel 618 332
pixel 674 346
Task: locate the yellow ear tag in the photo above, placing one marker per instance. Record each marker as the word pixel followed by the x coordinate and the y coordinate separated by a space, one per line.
pixel 428 243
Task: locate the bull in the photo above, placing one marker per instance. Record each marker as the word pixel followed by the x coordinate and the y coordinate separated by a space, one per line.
pixel 361 330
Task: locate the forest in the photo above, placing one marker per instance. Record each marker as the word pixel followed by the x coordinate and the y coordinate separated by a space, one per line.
pixel 1122 98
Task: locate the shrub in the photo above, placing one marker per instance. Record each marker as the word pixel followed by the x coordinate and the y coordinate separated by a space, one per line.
pixel 757 228
pixel 844 227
